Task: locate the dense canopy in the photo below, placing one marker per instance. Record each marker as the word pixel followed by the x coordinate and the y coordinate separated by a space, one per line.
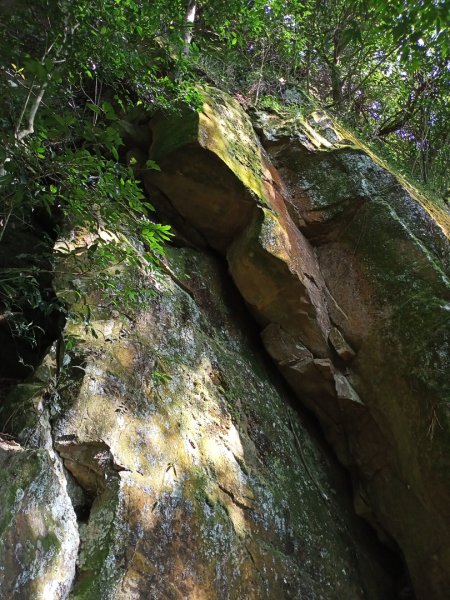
pixel 71 71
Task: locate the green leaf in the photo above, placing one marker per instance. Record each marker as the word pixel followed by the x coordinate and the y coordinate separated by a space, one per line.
pixel 109 111
pixel 96 109
pixel 151 164
pixel 35 67
pixel 6 179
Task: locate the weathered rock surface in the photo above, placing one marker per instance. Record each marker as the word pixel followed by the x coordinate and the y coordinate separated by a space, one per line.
pixel 38 529
pixel 385 262
pixel 216 151
pixel 190 474
pixel 347 274
pixel 194 476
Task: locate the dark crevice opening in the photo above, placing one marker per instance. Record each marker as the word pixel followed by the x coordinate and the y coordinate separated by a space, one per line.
pixel 82 503
pixel 31 316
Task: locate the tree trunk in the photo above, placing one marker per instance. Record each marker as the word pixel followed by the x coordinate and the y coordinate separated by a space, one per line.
pixel 336 86
pixel 335 70
pixel 189 25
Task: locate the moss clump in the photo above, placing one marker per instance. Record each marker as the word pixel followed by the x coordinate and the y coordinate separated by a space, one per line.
pixel 101 548
pixel 221 127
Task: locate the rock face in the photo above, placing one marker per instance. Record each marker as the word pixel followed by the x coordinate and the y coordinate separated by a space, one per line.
pixel 38 529
pixel 186 471
pixel 347 275
pixel 385 263
pixel 190 473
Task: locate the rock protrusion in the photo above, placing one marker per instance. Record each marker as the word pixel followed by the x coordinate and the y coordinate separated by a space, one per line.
pixel 38 529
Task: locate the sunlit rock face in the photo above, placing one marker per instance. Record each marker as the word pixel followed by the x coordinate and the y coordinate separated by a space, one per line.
pixel 163 453
pixel 346 273
pixel 201 489
pixel 190 473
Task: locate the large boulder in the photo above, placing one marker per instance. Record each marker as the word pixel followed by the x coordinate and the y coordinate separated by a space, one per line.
pixel 200 151
pixel 344 268
pixel 192 477
pixel 38 529
pixel 383 252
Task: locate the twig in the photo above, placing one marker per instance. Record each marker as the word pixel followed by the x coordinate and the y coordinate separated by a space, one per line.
pixel 24 108
pixel 4 223
pixel 20 135
pixel 189 20
pixel 260 75
pixel 302 456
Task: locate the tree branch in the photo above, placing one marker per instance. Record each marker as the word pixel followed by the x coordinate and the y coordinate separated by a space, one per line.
pixel 189 23
pixel 29 129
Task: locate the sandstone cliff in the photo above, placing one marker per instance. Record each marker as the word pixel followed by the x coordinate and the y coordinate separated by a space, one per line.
pixel 167 453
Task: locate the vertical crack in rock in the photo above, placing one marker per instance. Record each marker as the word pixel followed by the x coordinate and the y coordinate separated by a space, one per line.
pixel 329 299
pixel 94 474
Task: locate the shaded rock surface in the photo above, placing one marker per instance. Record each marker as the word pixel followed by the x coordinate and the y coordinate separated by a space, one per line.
pixel 385 262
pixel 38 529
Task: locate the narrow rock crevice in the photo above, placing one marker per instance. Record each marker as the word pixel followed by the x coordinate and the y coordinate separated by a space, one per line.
pixel 394 562
pixel 317 380
pixel 89 470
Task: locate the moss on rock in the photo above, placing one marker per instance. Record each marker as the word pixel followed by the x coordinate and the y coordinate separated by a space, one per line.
pixel 38 532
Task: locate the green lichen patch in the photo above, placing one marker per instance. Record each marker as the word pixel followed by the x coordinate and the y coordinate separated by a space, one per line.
pixel 101 560
pixel 320 136
pixel 222 128
pixel 38 534
pixel 211 494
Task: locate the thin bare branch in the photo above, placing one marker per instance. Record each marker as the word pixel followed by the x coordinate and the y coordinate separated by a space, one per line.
pixel 29 129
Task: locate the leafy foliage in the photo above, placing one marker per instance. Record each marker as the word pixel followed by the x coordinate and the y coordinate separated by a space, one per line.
pixel 68 72
pixel 382 66
pixel 71 70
